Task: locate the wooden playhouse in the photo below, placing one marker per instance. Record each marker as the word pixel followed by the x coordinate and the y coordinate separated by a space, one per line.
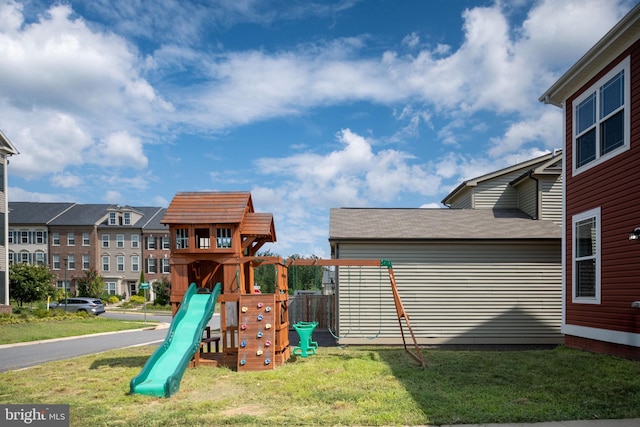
pixel 214 239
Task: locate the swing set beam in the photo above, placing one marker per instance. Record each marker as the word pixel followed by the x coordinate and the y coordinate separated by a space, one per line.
pixel 400 311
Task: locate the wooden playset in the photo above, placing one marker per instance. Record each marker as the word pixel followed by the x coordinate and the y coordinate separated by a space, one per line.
pixel 215 237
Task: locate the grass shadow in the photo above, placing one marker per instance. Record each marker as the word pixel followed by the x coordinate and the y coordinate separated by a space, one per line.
pixel 120 362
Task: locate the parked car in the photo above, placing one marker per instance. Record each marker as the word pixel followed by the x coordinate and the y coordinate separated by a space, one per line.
pixel 74 305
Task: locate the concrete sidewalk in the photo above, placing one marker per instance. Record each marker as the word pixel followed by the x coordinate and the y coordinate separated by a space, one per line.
pixel 635 422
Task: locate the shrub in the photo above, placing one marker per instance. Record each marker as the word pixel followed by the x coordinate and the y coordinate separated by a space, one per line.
pixel 41 313
pixel 113 299
pixel 137 299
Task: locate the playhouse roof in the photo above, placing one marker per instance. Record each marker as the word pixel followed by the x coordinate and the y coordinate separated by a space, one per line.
pixel 208 208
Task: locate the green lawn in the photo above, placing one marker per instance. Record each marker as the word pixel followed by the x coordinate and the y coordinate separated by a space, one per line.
pixel 64 327
pixel 344 386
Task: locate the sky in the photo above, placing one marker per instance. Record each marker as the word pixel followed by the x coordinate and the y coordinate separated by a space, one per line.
pixel 309 105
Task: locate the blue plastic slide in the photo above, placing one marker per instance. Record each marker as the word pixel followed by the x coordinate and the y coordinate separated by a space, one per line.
pixel 162 373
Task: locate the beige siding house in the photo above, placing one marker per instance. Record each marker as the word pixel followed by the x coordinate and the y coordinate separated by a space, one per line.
pixel 6 149
pixel 490 274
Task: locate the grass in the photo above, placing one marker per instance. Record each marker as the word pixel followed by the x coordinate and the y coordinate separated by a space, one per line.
pixel 64 327
pixel 344 386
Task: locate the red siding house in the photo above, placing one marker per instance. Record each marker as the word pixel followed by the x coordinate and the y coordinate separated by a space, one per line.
pixel 600 99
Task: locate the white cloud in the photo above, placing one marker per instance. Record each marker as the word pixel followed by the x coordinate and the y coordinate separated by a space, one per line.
pixel 112 196
pixel 22 195
pixel 544 128
pixel 121 149
pixel 65 86
pixel 67 180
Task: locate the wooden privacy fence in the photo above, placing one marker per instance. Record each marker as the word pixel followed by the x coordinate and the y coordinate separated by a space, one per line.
pixel 313 308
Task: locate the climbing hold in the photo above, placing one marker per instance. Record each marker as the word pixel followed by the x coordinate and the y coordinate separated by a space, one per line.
pixel 243 344
pixel 260 305
pixel 259 353
pixel 267 361
pixel 243 362
pixel 243 327
pixel 267 344
pixel 260 317
pixel 267 326
pixel 244 309
pixel 259 334
pixel 268 309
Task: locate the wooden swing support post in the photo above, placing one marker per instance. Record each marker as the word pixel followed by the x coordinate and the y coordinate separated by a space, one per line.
pixel 400 311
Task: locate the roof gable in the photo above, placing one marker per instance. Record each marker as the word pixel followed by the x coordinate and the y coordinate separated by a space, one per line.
pixel 622 36
pixel 6 146
pixel 525 167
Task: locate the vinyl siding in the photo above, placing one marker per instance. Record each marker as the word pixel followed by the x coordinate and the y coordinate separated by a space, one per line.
pixel 463 201
pixel 611 186
pixel 453 293
pixel 528 198
pixel 551 206
pixel 497 193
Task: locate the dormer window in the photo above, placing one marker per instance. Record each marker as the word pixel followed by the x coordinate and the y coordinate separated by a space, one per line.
pixel 113 218
pixel 127 218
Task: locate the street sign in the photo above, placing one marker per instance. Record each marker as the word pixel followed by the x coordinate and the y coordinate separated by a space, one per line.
pixel 144 285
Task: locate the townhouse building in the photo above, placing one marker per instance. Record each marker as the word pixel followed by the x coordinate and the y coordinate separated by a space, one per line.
pixel 122 243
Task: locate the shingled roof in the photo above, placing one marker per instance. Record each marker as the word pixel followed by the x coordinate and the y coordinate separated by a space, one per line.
pixel 432 224
pixel 208 208
pixel 35 212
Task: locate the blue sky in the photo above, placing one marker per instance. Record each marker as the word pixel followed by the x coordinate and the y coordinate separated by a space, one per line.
pixel 309 105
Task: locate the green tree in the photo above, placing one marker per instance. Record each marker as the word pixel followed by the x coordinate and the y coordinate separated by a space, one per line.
pixel 29 283
pixel 162 289
pixel 305 277
pixel 91 285
pixel 265 274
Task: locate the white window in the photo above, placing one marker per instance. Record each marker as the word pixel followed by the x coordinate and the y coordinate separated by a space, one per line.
pixel 135 263
pixel 85 262
pixel 151 242
pixel 120 262
pixel 166 266
pixel 601 119
pixel 105 263
pixel 586 257
pixel 24 239
pixel 105 240
pixel 166 243
pixel 112 218
pixel 55 239
pixel 127 218
pixel 40 258
pixel 110 288
pixel 85 239
pixel 41 238
pixel 119 240
pixel 11 257
pixel 56 262
pixel 71 259
pixel 135 241
pixel 152 265
pixel 71 239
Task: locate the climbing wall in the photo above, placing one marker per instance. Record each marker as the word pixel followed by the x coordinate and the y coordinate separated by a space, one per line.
pixel 256 332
